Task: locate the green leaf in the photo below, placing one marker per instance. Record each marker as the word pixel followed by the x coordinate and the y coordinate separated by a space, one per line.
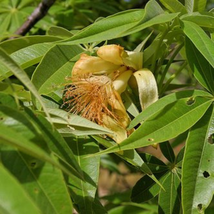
pixel 155 164
pixel 59 32
pixel 19 132
pixel 13 45
pixel 8 100
pixel 163 102
pixel 70 124
pixel 146 189
pixel 166 124
pixel 108 28
pixel 83 193
pixel 54 140
pixel 26 57
pixel 21 75
pixel 200 39
pixel 167 151
pixel 197 175
pixel 54 67
pixel 169 200
pixel 15 90
pixel 154 15
pixel 174 6
pixel 43 183
pixel 131 156
pixel 195 5
pixel 13 198
pixel 201 68
pixel 201 19
pixel 135 208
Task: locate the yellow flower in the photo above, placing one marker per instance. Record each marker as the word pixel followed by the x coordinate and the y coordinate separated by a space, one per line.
pixel 98 81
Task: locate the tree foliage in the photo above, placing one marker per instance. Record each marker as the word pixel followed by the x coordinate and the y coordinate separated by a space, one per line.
pixel 51 158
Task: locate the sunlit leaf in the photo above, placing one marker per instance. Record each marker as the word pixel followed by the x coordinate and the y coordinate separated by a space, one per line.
pixel 173 120
pixel 13 198
pixel 54 67
pixel 84 192
pixel 21 75
pixel 197 170
pixel 170 198
pixel 36 177
pixel 200 39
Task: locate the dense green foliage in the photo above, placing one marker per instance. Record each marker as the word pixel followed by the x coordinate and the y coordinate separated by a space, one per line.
pixel 50 159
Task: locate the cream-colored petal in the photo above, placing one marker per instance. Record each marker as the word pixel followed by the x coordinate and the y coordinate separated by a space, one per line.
pixel 92 65
pixel 118 109
pixel 120 83
pixel 111 53
pixel 143 81
pixel 120 133
pixel 133 60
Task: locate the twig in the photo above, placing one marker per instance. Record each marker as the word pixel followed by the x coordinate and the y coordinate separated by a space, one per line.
pixel 37 14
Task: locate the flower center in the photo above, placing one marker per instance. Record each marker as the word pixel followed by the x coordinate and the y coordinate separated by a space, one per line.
pixel 88 97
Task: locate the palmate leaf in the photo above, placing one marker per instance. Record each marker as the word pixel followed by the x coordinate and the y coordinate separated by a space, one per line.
pixel 170 198
pixel 130 156
pixel 197 175
pixel 146 189
pixel 173 120
pixel 12 195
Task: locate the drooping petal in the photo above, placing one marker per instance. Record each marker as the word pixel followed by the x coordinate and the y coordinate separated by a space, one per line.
pixel 120 133
pixel 143 81
pixel 92 65
pixel 112 53
pixel 117 107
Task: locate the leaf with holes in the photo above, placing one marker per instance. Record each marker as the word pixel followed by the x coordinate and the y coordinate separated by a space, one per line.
pixel 173 119
pixel 163 102
pixel 197 175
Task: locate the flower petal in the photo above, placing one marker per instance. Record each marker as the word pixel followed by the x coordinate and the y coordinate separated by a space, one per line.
pixel 120 133
pixel 120 83
pixel 143 81
pixel 92 65
pixel 133 60
pixel 112 53
pixel 117 107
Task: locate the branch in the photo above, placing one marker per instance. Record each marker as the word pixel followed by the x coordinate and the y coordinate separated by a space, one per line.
pixel 37 14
